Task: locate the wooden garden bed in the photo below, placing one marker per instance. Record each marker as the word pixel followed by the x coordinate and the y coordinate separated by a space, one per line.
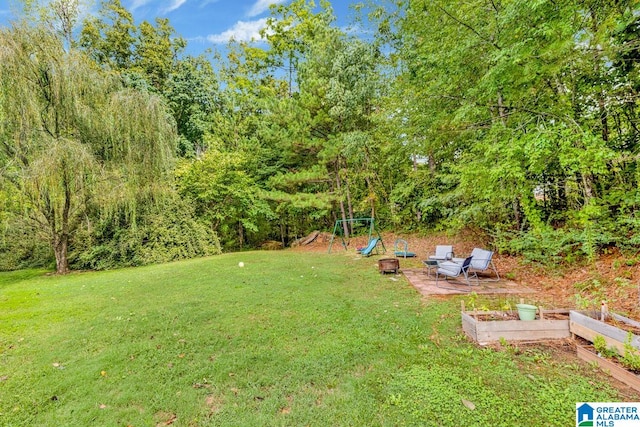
pixel 614 329
pixel 486 327
pixel 609 366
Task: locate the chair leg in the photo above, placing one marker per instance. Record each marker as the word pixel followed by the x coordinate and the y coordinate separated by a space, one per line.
pixel 467 274
pixel 495 270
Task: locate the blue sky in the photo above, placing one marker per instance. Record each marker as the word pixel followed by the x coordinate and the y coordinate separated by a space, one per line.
pixel 205 23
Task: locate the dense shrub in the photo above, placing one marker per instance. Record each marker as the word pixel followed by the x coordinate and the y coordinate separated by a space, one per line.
pixel 162 232
pixel 21 248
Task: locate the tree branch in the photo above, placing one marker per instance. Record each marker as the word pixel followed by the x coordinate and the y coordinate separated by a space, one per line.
pixel 469 27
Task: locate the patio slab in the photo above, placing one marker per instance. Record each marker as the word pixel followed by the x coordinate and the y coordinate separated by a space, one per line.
pixel 426 285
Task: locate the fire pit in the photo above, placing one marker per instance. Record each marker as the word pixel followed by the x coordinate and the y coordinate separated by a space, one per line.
pixel 389 265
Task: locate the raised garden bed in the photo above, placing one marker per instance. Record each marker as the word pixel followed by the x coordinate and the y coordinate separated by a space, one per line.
pixel 613 328
pixel 486 327
pixel 609 366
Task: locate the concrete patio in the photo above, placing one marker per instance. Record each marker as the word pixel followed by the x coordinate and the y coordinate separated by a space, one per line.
pixel 426 284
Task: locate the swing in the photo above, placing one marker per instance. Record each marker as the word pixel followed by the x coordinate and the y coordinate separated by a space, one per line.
pixel 338 230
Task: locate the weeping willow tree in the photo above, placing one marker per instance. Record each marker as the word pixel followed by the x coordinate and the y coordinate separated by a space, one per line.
pixel 72 138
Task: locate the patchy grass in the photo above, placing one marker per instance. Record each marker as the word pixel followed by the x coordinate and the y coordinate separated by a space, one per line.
pixel 288 339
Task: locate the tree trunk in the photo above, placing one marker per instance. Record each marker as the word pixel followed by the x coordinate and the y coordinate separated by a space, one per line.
pixel 587 184
pixel 516 212
pixel 60 248
pixel 414 160
pixel 345 228
pixel 349 205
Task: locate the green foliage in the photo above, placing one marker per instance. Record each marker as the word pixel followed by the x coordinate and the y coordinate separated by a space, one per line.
pixel 600 345
pixel 447 394
pixel 191 93
pixel 223 194
pixel 546 246
pixel 160 232
pixel 631 357
pixel 516 119
pixel 108 38
pixel 72 139
pixel 517 102
pixel 22 247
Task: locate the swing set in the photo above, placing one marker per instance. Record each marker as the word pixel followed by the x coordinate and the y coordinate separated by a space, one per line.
pixel 338 230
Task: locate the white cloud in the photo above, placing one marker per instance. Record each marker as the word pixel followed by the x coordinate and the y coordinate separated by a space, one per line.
pixel 175 4
pixel 207 2
pixel 262 6
pixel 241 31
pixel 138 3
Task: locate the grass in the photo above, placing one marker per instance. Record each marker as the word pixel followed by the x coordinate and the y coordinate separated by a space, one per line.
pixel 290 339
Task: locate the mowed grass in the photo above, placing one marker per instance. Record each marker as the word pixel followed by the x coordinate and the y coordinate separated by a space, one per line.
pixel 291 339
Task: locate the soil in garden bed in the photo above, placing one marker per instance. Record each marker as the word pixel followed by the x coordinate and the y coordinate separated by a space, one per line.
pixel 589 346
pixel 623 325
pixel 484 317
pixel 609 320
pixel 613 359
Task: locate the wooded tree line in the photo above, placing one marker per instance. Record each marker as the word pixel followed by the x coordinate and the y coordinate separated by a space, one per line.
pixel 518 120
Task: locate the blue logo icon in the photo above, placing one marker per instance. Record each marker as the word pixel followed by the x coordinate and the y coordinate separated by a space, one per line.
pixel 584 415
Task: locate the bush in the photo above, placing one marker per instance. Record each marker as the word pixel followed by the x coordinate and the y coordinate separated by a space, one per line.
pixel 21 248
pixel 546 246
pixel 160 233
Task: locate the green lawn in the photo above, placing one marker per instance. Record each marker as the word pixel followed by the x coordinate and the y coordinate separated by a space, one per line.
pixel 291 339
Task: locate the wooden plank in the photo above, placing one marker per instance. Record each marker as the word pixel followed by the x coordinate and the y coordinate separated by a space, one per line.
pixel 597 326
pixel 589 335
pixel 469 326
pixel 588 328
pixel 616 371
pixel 502 313
pixel 310 238
pixel 523 325
pixel 626 320
pixel 496 336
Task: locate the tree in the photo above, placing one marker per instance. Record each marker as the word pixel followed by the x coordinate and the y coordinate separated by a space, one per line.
pixel 109 38
pixel 156 50
pixel 523 112
pixel 224 194
pixel 192 93
pixel 72 137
